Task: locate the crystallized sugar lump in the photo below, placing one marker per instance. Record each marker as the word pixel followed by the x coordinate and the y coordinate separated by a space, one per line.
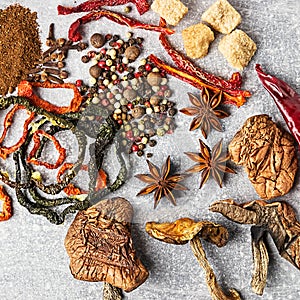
pixel 171 10
pixel 222 17
pixel 238 48
pixel 197 39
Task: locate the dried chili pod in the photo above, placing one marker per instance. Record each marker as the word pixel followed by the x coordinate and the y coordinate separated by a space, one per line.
pixel 74 34
pixel 6 212
pixel 141 5
pixel 238 99
pixel 286 99
pixel 184 230
pixel 277 218
pixel 184 63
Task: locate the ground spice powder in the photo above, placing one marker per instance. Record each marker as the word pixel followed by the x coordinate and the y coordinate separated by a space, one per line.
pixel 20 45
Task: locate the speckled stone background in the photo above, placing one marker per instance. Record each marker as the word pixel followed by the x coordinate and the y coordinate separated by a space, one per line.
pixel 33 261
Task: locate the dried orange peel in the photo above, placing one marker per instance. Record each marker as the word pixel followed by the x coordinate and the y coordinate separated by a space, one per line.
pixel 6 212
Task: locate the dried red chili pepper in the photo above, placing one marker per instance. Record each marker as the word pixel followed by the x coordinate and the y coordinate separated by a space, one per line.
pixel 71 189
pixel 25 89
pixel 6 212
pixel 141 5
pixel 118 18
pixel 237 100
pixel 37 142
pixel 184 63
pixel 286 99
pixel 5 151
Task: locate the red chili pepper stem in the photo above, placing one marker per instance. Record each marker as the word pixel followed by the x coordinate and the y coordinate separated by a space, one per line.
pixel 286 99
pixel 118 18
pixel 141 5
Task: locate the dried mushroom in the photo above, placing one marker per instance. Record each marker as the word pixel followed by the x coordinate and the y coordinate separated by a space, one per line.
pixel 184 230
pixel 277 218
pixel 100 246
pixel 268 155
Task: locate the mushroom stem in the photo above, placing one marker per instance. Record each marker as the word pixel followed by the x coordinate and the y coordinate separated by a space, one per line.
pixel 260 260
pixel 111 292
pixel 214 289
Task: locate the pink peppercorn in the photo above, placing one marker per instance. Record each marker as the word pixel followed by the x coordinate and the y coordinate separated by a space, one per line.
pixel 147 104
pixel 135 148
pixel 103 51
pixel 91 54
pixel 120 122
pixel 148 67
pixel 101 64
pixel 78 82
pixel 105 102
pixel 129 134
pixel 130 106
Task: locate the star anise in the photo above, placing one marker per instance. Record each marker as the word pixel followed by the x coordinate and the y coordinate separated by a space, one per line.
pixel 209 163
pixel 205 112
pixel 161 182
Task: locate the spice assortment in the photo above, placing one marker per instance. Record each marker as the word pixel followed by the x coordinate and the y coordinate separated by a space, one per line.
pixel 126 106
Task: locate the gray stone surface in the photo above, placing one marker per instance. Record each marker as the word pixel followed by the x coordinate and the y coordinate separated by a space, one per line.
pixel 33 261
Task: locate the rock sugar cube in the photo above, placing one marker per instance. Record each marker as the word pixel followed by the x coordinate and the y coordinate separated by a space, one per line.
pixel 197 39
pixel 171 10
pixel 222 17
pixel 238 48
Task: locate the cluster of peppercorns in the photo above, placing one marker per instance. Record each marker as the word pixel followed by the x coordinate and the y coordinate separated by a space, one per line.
pixel 137 99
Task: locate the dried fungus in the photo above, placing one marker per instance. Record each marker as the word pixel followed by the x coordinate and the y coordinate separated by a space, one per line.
pixel 277 218
pixel 100 246
pixel 268 154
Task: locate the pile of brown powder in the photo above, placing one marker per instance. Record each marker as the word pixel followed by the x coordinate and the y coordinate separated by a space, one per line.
pixel 20 45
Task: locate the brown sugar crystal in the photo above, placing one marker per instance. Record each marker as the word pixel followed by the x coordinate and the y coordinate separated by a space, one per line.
pixel 197 39
pixel 20 45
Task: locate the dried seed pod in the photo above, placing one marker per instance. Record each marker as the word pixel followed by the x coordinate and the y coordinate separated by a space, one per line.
pixel 129 94
pixel 138 111
pixel 154 78
pixel 268 155
pixel 132 52
pixel 100 246
pixel 277 218
pixel 95 71
pixel 97 40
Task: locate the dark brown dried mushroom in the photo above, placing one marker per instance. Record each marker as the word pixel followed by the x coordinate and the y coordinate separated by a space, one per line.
pixel 268 155
pixel 100 246
pixel 277 218
pixel 183 230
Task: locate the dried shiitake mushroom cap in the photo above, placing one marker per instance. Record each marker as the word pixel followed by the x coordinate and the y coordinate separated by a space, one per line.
pixel 185 229
pixel 100 246
pixel 268 154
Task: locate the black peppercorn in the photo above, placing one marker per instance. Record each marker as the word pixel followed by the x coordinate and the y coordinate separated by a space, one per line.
pixel 172 111
pixel 85 59
pixel 149 155
pixel 130 76
pixel 115 37
pixel 131 41
pixel 140 153
pixel 152 143
pixel 139 40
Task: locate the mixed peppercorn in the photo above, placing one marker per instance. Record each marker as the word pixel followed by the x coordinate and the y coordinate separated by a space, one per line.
pixel 137 98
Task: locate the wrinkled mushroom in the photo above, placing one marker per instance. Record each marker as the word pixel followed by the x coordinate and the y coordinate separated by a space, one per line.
pixel 100 246
pixel 186 230
pixel 268 155
pixel 277 218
